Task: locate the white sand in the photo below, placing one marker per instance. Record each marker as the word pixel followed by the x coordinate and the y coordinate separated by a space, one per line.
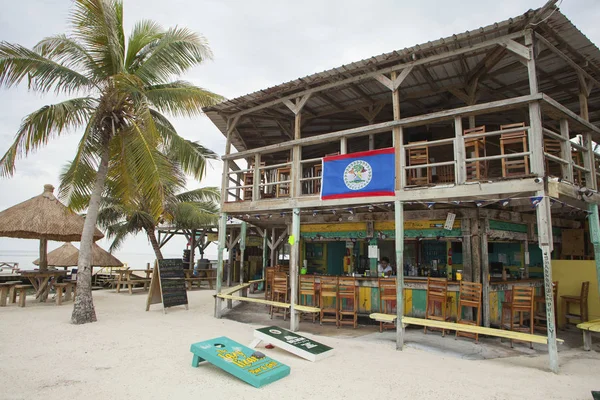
pixel 133 354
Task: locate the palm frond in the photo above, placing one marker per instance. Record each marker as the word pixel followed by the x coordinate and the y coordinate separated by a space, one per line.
pixel 193 215
pixel 181 98
pixel 45 124
pixel 98 25
pixel 177 50
pixel 144 32
pixel 18 63
pixel 205 194
pixel 67 52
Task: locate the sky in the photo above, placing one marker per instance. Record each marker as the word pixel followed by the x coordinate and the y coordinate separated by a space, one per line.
pixel 256 44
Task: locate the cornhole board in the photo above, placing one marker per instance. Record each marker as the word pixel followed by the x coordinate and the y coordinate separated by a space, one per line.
pixel 240 361
pixel 292 342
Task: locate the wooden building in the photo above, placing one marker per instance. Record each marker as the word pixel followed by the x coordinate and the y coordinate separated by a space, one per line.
pixel 497 126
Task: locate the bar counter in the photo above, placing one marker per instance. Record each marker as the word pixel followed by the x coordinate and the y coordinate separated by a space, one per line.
pixel 415 294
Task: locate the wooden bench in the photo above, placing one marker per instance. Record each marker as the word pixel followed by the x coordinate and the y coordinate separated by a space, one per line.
pixel 6 290
pixel 68 287
pixel 452 326
pixel 21 290
pixel 297 307
pixel 587 328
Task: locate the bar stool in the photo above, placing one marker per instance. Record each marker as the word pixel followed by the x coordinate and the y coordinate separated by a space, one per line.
pixel 514 142
pixel 347 292
pixel 469 296
pixel 387 300
pixel 307 293
pixel 280 293
pixel 437 293
pixel 521 302
pixel 328 299
pixel 581 300
pixel 540 314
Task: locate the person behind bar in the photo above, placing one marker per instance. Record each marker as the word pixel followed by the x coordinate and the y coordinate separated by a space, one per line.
pixel 384 267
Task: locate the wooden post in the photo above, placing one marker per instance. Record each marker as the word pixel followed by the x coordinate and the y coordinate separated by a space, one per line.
pixel 43 254
pixel 256 178
pixel 536 139
pixel 295 185
pixel 485 272
pixel 459 152
pixel 294 257
pixel 525 246
pixel 264 254
pixel 589 161
pixel 544 224
pixel 273 248
pixel 221 247
pixel 343 145
pixel 397 137
pixel 242 250
pixel 399 221
pixel 531 69
pixel 476 250
pixel 466 250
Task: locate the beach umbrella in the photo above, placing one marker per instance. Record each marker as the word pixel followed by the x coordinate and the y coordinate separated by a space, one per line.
pixel 67 256
pixel 45 218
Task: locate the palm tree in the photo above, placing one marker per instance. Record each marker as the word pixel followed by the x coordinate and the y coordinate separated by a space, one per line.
pixel 186 210
pixel 123 88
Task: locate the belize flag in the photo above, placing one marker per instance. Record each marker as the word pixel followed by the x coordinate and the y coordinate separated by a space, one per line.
pixel 362 174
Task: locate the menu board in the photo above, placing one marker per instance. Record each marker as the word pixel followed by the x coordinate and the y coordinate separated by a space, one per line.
pixel 172 282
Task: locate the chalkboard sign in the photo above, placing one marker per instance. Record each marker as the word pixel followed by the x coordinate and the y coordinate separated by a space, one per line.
pixel 168 284
pixel 172 282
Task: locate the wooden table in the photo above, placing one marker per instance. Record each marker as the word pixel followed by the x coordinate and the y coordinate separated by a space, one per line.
pixel 125 279
pixel 209 275
pixel 40 280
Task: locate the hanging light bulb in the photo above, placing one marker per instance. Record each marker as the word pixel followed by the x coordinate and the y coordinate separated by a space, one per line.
pixel 504 203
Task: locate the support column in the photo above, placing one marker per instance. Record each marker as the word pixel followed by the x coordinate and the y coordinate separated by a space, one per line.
pixel 273 248
pixel 397 136
pixel 221 247
pixel 399 222
pixel 264 254
pixel 544 224
pixel 476 250
pixel 485 272
pixel 565 151
pixel 459 152
pixel 466 250
pixel 294 257
pixel 192 249
pixel 242 250
pixel 594 222
pixel 44 254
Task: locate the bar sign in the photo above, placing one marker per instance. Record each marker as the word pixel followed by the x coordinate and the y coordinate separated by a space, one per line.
pixel 449 221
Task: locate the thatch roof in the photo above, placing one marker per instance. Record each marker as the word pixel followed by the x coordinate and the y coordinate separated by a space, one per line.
pixel 67 256
pixel 43 217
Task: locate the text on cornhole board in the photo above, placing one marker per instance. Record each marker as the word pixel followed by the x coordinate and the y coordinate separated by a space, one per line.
pixel 292 342
pixel 168 284
pixel 240 361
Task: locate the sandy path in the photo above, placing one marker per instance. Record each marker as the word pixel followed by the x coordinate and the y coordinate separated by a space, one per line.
pixel 132 354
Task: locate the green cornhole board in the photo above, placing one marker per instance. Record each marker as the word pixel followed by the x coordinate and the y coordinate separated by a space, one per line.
pixel 292 342
pixel 239 361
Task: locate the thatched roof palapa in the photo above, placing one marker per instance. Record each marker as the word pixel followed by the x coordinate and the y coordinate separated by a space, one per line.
pixel 67 256
pixel 43 217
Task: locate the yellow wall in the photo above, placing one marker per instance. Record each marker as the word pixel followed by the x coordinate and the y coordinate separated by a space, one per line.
pixel 570 274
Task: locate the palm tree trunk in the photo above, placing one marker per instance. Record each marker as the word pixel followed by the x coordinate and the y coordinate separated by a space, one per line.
pixel 83 309
pixel 154 242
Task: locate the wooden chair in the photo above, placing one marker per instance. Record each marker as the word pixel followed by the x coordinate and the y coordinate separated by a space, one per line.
pixel 514 142
pixel 521 302
pixel 578 175
pixel 476 170
pixel 540 312
pixel 280 293
pixel 437 293
pixel 445 174
pixel 581 300
pixel 418 156
pixel 328 299
pixel 469 296
pixel 283 174
pixel 269 273
pixel 347 293
pixel 387 300
pixel 248 180
pixel 307 293
pixel 552 147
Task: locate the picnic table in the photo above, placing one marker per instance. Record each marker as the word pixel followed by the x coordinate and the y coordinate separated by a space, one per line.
pixel 204 275
pixel 128 278
pixel 40 281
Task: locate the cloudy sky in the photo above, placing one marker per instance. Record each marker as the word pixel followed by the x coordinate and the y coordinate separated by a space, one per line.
pixel 256 44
